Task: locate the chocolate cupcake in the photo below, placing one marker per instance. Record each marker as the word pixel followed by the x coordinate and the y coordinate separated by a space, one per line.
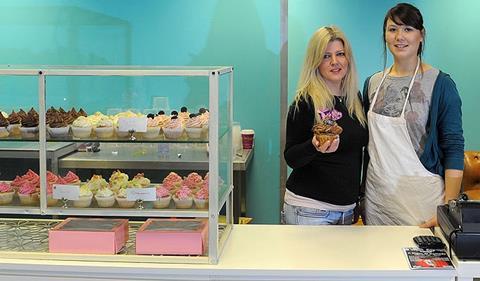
pixel 3 127
pixel 57 126
pixel 15 123
pixel 81 112
pixel 29 127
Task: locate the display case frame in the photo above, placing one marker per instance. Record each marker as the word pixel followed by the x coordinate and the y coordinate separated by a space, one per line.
pixel 218 233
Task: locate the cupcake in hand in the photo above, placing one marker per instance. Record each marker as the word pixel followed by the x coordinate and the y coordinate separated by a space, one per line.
pixel 85 198
pixel 105 197
pixel 6 193
pixel 183 198
pixel 163 198
pixel 201 198
pixel 327 129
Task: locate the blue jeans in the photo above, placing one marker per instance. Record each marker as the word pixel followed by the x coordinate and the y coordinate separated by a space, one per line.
pixel 309 216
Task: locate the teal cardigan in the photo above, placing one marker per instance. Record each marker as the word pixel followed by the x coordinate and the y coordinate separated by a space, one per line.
pixel 444 145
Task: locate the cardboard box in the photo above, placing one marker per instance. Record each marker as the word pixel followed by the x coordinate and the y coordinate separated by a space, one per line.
pixel 172 237
pixel 88 236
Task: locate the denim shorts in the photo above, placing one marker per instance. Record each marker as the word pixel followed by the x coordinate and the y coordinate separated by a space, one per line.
pixel 309 216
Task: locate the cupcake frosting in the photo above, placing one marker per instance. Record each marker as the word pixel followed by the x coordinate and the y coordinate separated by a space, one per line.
pixel 14 118
pixel 85 191
pixel 174 123
pixel 202 193
pixel 71 178
pixel 183 193
pixel 3 121
pixel 104 192
pixel 5 187
pixel 27 188
pixel 193 180
pixel 104 122
pixel 162 192
pixel 139 181
pixel 172 180
pixel 194 122
pixel 56 121
pixel 30 120
pixel 82 122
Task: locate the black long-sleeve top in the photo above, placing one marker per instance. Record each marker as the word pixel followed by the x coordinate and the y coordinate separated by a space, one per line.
pixel 328 177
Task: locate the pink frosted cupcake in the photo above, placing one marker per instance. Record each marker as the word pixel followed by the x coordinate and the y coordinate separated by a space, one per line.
pixel 6 193
pixel 174 128
pixel 172 182
pixel 153 128
pixel 70 178
pixel 193 181
pixel 163 198
pixel 183 198
pixel 201 198
pixel 194 126
pixel 28 194
pixel 51 179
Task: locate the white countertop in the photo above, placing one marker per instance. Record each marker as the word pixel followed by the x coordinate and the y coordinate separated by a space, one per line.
pixel 263 252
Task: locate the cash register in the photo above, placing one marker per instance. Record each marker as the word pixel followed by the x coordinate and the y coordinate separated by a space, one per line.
pixel 459 220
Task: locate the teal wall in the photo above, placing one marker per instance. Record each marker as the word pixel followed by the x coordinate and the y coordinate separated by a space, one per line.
pixel 451 45
pixel 244 34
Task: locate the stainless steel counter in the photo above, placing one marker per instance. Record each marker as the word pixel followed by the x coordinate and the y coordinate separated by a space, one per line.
pixel 149 156
pixel 29 150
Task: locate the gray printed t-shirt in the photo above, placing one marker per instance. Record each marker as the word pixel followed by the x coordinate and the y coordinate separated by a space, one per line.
pixel 391 98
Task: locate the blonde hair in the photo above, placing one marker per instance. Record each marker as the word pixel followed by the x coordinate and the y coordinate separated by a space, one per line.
pixel 311 83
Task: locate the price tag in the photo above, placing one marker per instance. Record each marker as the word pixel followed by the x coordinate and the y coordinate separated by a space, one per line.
pixel 137 124
pixel 65 191
pixel 145 194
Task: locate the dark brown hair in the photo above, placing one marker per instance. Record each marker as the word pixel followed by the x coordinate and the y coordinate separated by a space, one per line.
pixel 404 14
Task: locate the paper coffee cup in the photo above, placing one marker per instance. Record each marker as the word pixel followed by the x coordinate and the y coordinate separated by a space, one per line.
pixel 247 138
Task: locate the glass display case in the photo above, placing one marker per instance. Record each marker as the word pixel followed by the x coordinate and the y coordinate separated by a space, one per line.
pixel 142 126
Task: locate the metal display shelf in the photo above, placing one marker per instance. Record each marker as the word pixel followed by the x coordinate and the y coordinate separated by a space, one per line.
pixel 29 150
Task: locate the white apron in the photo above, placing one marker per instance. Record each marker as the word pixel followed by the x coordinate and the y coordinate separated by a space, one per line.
pixel 399 190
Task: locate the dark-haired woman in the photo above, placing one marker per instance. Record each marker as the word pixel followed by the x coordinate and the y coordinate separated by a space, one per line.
pixel 415 122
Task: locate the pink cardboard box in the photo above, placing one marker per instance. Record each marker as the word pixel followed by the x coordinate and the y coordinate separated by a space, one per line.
pixel 88 236
pixel 172 237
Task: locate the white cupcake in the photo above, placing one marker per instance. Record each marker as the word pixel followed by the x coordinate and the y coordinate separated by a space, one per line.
pixel 105 198
pixel 174 129
pixel 58 132
pixel 122 201
pixel 81 128
pixel 104 128
pixel 85 198
pixel 29 132
pixel 4 132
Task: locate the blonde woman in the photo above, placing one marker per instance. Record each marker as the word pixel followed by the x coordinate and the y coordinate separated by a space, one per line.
pixel 323 187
